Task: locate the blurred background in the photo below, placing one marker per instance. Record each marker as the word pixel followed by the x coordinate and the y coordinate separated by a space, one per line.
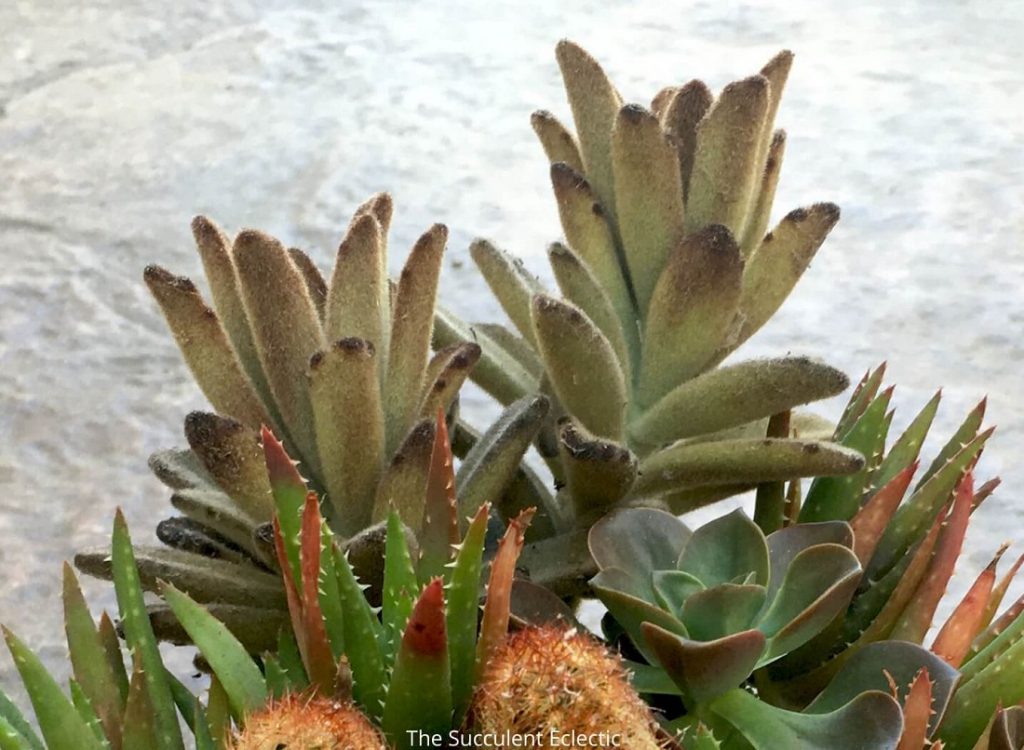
pixel 120 120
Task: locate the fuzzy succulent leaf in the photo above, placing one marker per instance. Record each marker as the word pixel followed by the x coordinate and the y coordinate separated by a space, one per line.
pixel 688 465
pixel 445 375
pixel 510 282
pixel 401 486
pixel 558 143
pixel 735 395
pixel 760 210
pixel 692 308
pixel 680 116
pixel 598 473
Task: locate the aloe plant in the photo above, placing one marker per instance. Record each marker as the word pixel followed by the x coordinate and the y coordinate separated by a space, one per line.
pixel 834 602
pixel 666 269
pixel 342 372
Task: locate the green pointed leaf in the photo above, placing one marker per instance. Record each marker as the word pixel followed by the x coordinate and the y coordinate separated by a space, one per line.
pixel 735 395
pixel 422 661
pixel 463 608
pixel 965 433
pixel 400 586
pixel 15 722
pixel 11 738
pixel 439 528
pixel 907 448
pixel 139 726
pixel 58 718
pixel 237 672
pixel 138 635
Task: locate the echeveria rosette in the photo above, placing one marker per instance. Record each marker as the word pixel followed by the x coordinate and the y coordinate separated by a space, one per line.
pixel 713 605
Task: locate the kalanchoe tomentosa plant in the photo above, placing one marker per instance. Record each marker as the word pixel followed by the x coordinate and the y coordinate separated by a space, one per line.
pixel 666 270
pixel 343 372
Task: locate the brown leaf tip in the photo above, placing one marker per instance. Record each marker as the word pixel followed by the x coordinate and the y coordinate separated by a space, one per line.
pixel 634 114
pixel 202 427
pixel 584 448
pixel 355 346
pixel 426 634
pixel 158 276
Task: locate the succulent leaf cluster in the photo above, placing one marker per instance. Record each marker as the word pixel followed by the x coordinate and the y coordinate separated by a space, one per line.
pixel 666 269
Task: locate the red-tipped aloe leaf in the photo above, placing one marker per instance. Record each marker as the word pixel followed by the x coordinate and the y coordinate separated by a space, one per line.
pixel 289 490
pixel 917 710
pixel 999 592
pixel 439 531
pixel 955 638
pixel 320 663
pixel 871 520
pixel 463 609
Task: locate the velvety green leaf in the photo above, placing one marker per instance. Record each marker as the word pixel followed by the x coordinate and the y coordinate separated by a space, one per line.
pixel 588 231
pixel 344 387
pixel 692 309
pixel 498 371
pixel 411 334
pixel 357 298
pixel 648 196
pixel 728 548
pixel 286 329
pixel 446 373
pixel 871 721
pixel 723 462
pixel 512 285
pixel 582 366
pixel 205 347
pixel 726 171
pixel 214 510
pixel 595 104
pixel 315 284
pixel 402 484
pixel 735 395
pixel 487 470
pixel 680 117
pixel 558 143
pixel 598 472
pixel 761 207
pixel 773 269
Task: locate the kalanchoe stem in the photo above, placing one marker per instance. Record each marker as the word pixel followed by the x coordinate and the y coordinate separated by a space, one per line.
pixel 770 502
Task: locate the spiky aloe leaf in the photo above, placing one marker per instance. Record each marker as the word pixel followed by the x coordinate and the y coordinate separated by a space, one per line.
pixel 401 587
pixel 363 633
pixel 871 721
pixel 463 608
pixel 687 465
pixel 320 664
pixel 582 366
pixel 422 660
pixel 357 300
pixel 11 738
pixel 1003 634
pixel 59 720
pixel 138 635
pixel 595 104
pixel 731 396
pixel 411 333
pixel 692 308
pixel 237 672
pixel 289 492
pixel 907 448
pixel 439 530
pixel 92 669
pixel 916 514
pixel 648 196
pixel 218 712
pixel 286 329
pixel 511 284
pixel 497 608
pixel 773 269
pixel 954 639
pixel 495 458
pixel 964 435
pixel 580 286
pixel 344 386
pixel 838 498
pixel 913 625
pixel 14 723
pixel 999 592
pixel 598 473
pixel 205 346
pixel 558 143
pixel 872 519
pixel 139 727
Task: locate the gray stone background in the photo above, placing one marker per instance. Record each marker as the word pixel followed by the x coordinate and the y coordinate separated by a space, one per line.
pixel 120 120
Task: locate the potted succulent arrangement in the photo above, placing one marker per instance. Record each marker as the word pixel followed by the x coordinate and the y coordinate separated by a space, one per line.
pixel 357 566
